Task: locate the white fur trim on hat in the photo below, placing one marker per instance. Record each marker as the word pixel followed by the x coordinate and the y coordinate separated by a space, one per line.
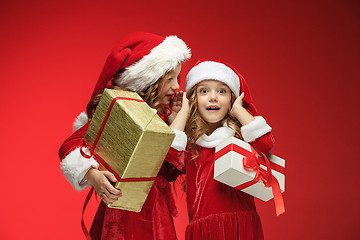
pixel 74 167
pixel 209 70
pixel 255 129
pixel 80 121
pixel 149 69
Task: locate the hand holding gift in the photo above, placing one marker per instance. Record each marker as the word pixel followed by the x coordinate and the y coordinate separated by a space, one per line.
pixel 101 181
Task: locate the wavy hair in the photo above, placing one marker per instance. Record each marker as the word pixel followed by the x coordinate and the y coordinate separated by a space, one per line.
pixel 196 126
pixel 150 96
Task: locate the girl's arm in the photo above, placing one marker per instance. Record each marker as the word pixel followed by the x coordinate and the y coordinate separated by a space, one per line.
pixel 254 130
pixel 100 180
pixel 73 165
pixel 175 157
pixel 264 143
pixel 82 172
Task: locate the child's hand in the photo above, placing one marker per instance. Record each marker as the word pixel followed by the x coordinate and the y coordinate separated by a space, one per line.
pixel 184 102
pixel 238 104
pixel 179 102
pixel 182 115
pixel 239 112
pixel 100 180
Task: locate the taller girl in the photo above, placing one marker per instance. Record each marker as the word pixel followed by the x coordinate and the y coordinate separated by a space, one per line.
pixel 220 107
pixel 149 65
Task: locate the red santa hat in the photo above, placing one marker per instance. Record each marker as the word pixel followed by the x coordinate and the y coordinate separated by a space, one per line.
pixel 140 59
pixel 206 69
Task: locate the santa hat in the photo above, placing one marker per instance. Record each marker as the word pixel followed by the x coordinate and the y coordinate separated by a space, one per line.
pixel 140 59
pixel 206 69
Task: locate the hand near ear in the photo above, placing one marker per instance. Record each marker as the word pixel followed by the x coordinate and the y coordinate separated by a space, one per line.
pixel 182 115
pixel 237 104
pixel 179 102
pixel 239 112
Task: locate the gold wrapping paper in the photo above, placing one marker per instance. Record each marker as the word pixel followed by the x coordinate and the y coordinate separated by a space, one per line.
pixel 134 143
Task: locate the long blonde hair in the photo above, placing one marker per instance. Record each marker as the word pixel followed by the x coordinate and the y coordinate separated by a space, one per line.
pixel 196 126
pixel 150 96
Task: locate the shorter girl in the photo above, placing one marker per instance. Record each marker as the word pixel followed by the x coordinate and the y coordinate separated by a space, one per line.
pixel 220 107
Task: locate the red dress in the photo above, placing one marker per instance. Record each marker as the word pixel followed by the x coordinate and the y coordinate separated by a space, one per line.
pixel 217 211
pixel 154 221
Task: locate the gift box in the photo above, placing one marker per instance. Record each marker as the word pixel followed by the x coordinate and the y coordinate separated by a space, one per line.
pixel 229 169
pixel 129 139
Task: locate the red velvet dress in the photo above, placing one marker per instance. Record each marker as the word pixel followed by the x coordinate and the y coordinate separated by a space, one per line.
pixel 154 221
pixel 217 211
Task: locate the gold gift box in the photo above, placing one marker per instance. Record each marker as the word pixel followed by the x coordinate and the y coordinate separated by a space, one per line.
pixel 133 143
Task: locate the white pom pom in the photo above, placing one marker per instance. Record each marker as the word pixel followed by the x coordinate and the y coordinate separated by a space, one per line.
pixel 80 121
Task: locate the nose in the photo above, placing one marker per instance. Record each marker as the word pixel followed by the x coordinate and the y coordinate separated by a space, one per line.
pixel 175 86
pixel 212 96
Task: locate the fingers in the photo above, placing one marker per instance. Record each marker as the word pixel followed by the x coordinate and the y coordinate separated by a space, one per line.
pixel 183 97
pixel 109 187
pixel 180 94
pixel 242 95
pixel 239 100
pixel 110 176
pixel 185 103
pixel 177 100
pixel 108 197
pixel 106 191
pixel 176 95
pixel 113 191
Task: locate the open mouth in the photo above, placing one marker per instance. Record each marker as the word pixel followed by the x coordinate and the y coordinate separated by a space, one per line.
pixel 212 108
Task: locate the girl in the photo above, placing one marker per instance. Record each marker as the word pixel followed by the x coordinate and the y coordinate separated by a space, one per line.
pixel 150 65
pixel 220 107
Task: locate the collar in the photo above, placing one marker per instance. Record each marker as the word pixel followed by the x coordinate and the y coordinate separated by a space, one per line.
pixel 218 136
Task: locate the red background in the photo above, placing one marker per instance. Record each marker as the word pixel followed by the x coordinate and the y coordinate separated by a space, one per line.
pixel 301 62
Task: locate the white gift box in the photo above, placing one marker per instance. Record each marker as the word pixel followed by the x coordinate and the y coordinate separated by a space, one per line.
pixel 229 169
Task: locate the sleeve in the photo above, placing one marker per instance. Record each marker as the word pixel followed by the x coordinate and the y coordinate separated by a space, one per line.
pixel 174 163
pixel 176 158
pixel 264 143
pixel 258 134
pixel 180 140
pixel 176 154
pixel 73 165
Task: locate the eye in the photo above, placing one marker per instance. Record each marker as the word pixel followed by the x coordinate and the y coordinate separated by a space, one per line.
pixel 203 91
pixel 222 91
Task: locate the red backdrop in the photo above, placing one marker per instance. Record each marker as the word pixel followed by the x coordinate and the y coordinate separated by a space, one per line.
pixel 300 60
